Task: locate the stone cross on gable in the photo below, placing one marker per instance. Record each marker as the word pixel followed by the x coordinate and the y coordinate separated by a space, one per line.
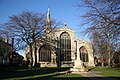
pixel 65 24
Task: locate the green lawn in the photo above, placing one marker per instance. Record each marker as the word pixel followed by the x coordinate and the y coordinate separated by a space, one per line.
pixel 13 73
pixel 38 73
pixel 108 71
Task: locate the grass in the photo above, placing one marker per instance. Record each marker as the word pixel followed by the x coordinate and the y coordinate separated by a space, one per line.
pixel 108 71
pixel 12 73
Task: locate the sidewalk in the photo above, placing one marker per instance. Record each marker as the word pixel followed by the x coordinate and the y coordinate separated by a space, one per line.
pixel 94 76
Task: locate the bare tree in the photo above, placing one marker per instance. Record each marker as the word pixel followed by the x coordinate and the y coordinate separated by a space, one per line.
pixel 26 28
pixel 103 18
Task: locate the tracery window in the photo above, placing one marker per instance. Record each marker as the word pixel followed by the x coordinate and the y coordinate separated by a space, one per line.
pixel 45 54
pixel 83 54
pixel 65 47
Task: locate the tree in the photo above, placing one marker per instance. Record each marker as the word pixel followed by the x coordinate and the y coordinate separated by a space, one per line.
pixel 26 28
pixel 103 19
pixel 99 45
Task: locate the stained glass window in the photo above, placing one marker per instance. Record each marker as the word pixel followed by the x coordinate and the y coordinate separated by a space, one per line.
pixel 45 54
pixel 65 47
pixel 83 54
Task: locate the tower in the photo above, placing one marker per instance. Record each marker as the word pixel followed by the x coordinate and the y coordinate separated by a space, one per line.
pixel 48 28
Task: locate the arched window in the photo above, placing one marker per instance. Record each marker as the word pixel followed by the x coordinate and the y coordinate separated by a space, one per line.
pixel 83 54
pixel 65 47
pixel 45 54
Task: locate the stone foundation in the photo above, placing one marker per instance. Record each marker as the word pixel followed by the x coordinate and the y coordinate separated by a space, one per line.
pixel 47 64
pixel 77 70
pixel 78 67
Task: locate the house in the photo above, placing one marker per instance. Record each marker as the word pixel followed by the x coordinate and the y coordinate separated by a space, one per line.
pixel 5 52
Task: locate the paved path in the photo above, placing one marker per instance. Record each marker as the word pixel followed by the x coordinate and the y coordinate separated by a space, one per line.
pixel 94 76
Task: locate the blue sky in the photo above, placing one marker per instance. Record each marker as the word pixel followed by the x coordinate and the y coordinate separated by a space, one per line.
pixel 61 10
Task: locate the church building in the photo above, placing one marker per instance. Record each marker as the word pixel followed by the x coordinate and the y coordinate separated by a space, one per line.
pixel 62 48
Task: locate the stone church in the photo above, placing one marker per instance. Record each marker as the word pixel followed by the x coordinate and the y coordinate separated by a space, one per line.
pixel 62 48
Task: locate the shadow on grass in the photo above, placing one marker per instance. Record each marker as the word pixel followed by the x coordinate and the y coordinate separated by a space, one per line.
pixel 11 73
pixel 44 74
pixel 73 78
pixel 63 76
pixel 59 76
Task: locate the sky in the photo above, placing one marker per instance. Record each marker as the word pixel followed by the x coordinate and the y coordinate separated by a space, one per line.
pixel 60 10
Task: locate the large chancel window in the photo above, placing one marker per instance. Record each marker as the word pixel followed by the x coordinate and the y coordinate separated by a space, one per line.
pixel 45 54
pixel 83 54
pixel 65 47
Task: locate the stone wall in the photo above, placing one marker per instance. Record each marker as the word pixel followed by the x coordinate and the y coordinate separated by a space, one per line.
pixel 55 36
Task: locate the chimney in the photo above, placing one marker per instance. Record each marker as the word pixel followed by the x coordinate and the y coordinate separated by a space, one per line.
pixel 11 49
pixel 12 42
pixel 0 37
